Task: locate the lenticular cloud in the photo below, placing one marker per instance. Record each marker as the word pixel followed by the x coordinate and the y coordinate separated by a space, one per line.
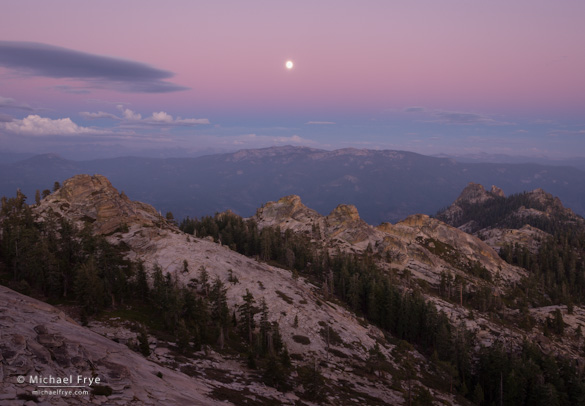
pixel 97 71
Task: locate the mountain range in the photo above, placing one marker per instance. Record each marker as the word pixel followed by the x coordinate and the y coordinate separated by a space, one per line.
pixel 385 186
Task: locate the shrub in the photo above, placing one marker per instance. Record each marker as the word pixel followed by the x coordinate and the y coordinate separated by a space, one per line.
pixel 301 339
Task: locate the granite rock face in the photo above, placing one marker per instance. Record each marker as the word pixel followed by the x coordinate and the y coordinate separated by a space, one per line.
pixel 538 205
pixel 92 199
pixel 38 337
pixel 38 340
pixel 410 244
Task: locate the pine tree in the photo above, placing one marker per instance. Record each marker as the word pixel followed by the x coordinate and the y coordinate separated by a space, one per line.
pixel 204 280
pixel 141 289
pixel 143 342
pixel 89 289
pixel 183 337
pixel 247 312
pixel 218 299
pixel 265 331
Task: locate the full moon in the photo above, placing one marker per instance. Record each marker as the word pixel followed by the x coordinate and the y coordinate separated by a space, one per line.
pixel 289 64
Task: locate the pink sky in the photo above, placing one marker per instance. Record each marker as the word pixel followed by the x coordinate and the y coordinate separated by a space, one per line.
pixel 521 59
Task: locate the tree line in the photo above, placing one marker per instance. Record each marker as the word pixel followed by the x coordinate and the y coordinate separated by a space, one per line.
pixel 56 259
pixel 357 281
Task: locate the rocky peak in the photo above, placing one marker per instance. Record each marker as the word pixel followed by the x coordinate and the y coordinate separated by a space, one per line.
pixel 81 187
pixel 342 224
pixel 291 200
pixel 416 220
pixel 287 212
pixel 545 198
pixel 93 199
pixel 344 213
pixel 476 193
pixel 496 191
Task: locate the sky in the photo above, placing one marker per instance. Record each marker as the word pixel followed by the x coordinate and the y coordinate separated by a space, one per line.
pixel 180 78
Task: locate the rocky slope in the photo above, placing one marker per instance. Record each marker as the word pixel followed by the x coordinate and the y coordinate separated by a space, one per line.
pixel 507 222
pixel 419 243
pixel 37 339
pixel 421 250
pixel 425 248
pixel 91 201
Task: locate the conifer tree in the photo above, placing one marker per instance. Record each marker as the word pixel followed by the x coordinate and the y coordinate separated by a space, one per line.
pixel 247 312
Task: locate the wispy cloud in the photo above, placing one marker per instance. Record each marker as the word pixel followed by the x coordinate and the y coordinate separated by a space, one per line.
pixel 96 71
pixel 453 117
pixel 130 118
pixel 415 109
pixel 5 118
pixel 100 114
pixel 569 133
pixel 162 118
pixel 9 103
pixel 320 122
pixel 39 126
pixel 71 89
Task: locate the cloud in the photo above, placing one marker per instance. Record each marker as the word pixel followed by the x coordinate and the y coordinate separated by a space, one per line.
pixel 451 117
pixel 414 109
pixel 129 114
pixel 9 103
pixel 133 119
pixel 320 122
pixel 5 118
pixel 97 71
pixel 36 125
pixel 570 133
pixel 164 118
pixel 71 89
pixel 100 114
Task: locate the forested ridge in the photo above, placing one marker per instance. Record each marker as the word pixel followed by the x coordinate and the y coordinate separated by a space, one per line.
pixel 557 270
pixel 499 211
pixel 534 377
pixel 54 260
pixel 57 262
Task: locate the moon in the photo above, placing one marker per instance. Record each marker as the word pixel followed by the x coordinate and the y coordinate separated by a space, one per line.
pixel 289 64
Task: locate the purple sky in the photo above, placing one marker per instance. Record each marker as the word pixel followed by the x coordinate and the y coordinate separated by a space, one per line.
pixel 109 78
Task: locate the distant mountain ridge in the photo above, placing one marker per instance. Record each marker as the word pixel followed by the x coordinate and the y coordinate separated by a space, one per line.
pixel 482 157
pixel 385 186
